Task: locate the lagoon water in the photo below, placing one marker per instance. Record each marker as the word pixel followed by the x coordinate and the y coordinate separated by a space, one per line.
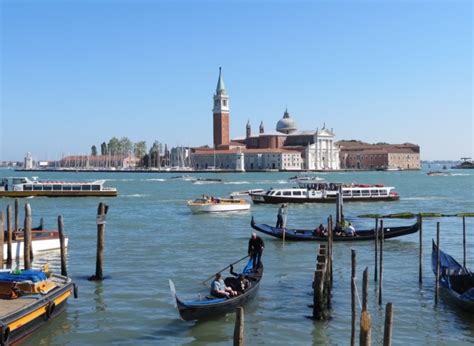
pixel 151 237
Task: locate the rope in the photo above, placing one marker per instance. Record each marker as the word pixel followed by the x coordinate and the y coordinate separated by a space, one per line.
pixel 357 293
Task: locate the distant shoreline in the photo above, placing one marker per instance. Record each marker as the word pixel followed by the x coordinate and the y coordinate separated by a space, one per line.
pixel 199 171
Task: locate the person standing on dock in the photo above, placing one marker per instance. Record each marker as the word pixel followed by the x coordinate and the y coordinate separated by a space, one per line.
pixel 256 247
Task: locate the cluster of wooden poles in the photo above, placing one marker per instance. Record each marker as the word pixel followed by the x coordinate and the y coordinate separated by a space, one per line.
pixel 27 238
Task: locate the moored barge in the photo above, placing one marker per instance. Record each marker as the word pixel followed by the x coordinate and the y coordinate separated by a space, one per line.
pixel 28 300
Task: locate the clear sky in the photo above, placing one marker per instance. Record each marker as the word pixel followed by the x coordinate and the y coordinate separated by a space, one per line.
pixel 76 73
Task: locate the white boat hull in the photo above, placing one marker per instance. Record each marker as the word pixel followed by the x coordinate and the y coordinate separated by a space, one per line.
pixel 216 208
pixel 38 246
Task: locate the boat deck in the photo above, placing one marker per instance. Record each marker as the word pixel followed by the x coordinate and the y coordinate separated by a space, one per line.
pixel 10 306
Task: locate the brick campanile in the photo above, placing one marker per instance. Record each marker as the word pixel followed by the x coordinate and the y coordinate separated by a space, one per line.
pixel 221 114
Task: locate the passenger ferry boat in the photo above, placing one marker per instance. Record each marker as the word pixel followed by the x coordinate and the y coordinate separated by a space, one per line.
pixel 24 187
pixel 326 193
pixel 211 205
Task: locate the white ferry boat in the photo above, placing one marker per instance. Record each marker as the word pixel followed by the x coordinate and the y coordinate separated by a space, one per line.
pixel 212 205
pixel 326 193
pixel 24 187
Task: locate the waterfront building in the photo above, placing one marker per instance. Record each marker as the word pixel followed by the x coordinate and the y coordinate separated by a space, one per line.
pixel 360 155
pixel 286 149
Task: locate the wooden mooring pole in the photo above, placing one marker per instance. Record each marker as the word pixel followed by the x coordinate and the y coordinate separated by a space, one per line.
pixel 437 264
pixel 381 261
pixel 387 335
pixel 27 238
pixel 353 298
pixel 321 285
pixel 420 253
pixel 17 215
pixel 365 337
pixel 101 215
pixel 376 233
pixel 9 236
pixel 2 236
pixel 239 327
pixel 62 244
pixel 464 240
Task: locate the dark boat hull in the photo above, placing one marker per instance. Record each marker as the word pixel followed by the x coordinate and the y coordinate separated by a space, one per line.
pixel 208 309
pixel 456 280
pixel 261 199
pixel 308 235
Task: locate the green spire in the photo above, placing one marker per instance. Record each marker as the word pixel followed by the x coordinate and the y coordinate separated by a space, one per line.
pixel 220 82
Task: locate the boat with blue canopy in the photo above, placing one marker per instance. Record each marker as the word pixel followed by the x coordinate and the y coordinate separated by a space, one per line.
pixel 454 278
pixel 208 306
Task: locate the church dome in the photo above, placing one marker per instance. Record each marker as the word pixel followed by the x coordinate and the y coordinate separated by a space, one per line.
pixel 286 125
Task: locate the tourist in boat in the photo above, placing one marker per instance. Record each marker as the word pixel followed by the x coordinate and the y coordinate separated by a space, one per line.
pixel 256 246
pixel 241 281
pixel 320 231
pixel 338 231
pixel 220 290
pixel 350 230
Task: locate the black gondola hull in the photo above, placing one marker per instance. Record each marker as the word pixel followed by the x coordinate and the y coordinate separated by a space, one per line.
pixel 190 312
pixel 308 235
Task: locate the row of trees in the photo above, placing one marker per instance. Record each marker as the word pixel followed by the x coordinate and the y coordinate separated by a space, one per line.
pixel 124 146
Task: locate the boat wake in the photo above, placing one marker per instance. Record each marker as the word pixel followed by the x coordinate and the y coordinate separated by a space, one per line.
pixel 153 179
pixel 236 182
pixel 135 195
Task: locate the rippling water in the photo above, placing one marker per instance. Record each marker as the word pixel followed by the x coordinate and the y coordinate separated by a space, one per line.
pixel 151 236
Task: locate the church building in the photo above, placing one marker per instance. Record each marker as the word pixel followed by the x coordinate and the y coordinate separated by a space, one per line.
pixel 286 148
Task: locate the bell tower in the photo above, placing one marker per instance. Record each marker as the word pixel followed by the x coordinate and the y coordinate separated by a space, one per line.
pixel 221 113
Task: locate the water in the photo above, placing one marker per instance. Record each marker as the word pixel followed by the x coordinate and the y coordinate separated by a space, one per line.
pixel 151 236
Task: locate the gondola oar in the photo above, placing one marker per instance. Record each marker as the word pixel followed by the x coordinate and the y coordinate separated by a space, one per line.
pixel 209 278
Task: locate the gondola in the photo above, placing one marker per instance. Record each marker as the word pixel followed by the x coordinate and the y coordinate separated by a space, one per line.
pixel 302 234
pixel 209 307
pixel 457 280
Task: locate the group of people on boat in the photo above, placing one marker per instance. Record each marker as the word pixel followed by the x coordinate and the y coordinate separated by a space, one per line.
pixel 233 286
pixel 339 230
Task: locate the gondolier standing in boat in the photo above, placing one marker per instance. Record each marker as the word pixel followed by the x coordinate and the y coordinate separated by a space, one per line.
pixel 256 247
pixel 281 217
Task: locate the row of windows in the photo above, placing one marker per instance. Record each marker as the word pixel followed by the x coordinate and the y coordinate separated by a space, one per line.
pixel 49 187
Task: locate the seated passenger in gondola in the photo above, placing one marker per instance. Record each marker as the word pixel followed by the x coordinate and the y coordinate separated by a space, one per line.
pixel 240 284
pixel 219 288
pixel 338 232
pixel 350 230
pixel 320 231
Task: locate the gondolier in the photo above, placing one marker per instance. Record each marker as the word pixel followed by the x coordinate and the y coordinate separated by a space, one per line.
pixel 256 246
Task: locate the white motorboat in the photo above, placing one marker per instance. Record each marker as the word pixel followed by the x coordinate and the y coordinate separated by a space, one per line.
pixel 42 240
pixel 213 205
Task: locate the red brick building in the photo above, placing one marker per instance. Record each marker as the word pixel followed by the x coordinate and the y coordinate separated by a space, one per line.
pixel 360 155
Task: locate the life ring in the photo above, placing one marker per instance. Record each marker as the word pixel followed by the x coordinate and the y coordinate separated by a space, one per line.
pixel 5 336
pixel 50 310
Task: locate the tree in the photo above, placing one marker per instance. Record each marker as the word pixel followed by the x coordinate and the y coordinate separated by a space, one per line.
pixel 93 150
pixel 103 148
pixel 139 149
pixel 126 146
pixel 114 146
pixel 154 154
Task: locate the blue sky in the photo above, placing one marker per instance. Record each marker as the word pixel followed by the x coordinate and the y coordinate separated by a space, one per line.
pixel 76 73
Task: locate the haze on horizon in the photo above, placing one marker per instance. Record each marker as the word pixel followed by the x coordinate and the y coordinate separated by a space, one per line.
pixel 75 74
